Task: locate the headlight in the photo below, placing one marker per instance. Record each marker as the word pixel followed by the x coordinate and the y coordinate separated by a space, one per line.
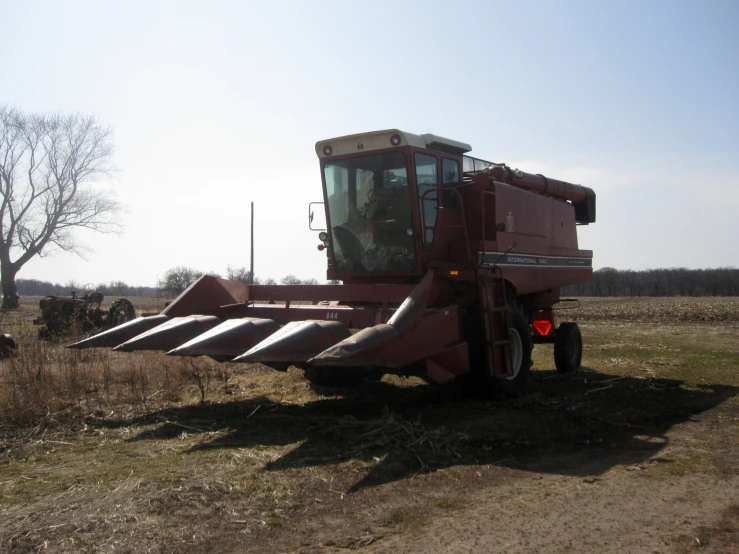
pixel 323 236
pixel 327 150
pixel 395 139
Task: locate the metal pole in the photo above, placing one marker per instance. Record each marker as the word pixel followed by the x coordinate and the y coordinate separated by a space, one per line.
pixel 251 275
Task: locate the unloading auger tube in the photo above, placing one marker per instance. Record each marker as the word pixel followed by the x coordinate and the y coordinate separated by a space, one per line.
pixel 582 198
pixel 446 275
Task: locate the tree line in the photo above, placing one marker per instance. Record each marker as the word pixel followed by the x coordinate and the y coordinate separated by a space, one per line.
pixel 178 278
pixel 679 281
pixel 605 282
pixel 36 287
pixel 174 281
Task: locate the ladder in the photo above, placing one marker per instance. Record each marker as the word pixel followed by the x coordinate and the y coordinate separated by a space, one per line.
pixel 497 321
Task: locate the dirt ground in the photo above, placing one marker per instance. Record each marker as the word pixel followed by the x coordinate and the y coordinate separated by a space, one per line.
pixel 638 452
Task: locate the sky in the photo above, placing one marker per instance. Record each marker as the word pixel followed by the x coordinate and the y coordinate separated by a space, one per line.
pixel 215 105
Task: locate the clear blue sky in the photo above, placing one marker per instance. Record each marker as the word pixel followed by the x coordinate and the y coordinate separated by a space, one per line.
pixel 217 104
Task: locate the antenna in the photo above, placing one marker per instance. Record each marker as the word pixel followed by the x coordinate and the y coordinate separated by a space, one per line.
pixel 251 267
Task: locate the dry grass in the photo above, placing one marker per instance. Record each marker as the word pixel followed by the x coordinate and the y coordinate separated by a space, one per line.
pixel 44 383
pixel 111 452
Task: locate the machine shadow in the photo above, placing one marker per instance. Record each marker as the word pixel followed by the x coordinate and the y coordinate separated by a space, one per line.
pixel 580 424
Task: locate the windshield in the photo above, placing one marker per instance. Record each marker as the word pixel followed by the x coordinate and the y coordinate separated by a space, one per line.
pixel 370 213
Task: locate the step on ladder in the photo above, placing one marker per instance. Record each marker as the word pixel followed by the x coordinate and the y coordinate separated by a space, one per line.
pixel 497 320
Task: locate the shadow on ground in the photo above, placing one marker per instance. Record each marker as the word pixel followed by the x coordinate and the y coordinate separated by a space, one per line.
pixel 615 419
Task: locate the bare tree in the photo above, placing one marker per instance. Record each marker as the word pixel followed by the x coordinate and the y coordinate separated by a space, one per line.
pixel 48 163
pixel 178 278
pixel 241 275
pixel 118 287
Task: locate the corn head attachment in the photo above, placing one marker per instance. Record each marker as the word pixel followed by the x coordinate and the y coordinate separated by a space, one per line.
pixel 451 269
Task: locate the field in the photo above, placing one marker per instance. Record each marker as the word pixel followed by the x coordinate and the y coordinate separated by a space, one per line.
pixel 639 452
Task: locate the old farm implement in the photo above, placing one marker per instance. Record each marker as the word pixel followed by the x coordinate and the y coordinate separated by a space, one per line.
pixel 450 266
pixel 64 315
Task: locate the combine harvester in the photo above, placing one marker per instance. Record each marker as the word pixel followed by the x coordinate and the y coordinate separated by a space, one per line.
pixel 450 267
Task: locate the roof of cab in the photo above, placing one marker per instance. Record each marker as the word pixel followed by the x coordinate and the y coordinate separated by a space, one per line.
pixel 377 140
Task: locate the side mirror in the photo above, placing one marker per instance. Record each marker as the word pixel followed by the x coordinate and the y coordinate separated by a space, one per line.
pixel 316 216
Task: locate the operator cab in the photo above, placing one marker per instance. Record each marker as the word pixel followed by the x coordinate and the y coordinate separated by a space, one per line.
pixel 381 197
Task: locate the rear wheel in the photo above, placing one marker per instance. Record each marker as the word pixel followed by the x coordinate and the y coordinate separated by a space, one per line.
pixel 120 312
pixel 568 347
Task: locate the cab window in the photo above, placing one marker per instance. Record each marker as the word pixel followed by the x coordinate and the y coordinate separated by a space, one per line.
pixel 450 176
pixel 426 180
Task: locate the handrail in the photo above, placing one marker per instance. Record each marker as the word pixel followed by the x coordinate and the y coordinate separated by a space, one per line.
pixel 484 221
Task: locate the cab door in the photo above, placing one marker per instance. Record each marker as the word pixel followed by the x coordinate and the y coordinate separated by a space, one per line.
pixel 426 167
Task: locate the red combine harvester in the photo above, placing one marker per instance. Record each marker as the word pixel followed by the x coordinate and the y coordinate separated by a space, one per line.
pixel 450 267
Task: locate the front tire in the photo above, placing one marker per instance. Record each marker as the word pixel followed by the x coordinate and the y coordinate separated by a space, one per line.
pixel 521 346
